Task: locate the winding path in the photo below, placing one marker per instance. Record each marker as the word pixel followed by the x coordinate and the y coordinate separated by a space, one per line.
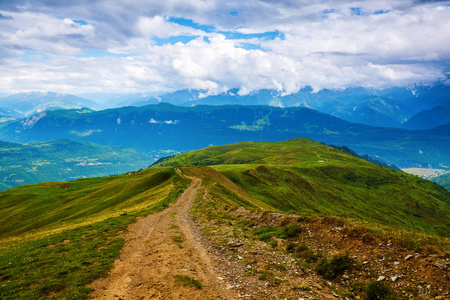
pixel 157 248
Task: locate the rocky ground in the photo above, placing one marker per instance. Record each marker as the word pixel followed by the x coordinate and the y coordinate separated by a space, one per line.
pixel 287 268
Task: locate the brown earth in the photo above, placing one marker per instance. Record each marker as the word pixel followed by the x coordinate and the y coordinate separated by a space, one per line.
pixel 158 248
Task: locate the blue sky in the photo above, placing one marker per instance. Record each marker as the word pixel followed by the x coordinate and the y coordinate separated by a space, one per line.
pixel 111 46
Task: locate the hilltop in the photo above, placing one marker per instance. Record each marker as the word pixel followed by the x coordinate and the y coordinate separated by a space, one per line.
pixel 302 175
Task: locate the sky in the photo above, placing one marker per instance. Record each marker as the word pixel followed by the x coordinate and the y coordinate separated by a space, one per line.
pixel 128 46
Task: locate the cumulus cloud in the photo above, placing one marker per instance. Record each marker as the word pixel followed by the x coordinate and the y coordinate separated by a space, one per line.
pixel 323 44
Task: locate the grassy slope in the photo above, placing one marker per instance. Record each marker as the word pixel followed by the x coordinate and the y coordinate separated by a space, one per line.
pixel 56 237
pixel 304 176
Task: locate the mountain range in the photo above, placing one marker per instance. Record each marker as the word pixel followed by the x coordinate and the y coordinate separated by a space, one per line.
pixel 27 104
pixel 181 129
pixel 384 108
pixel 398 107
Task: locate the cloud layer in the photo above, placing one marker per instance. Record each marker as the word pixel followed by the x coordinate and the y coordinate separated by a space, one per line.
pixel 135 46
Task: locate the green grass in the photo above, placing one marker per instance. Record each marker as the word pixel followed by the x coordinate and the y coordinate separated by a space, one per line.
pixel 56 240
pixel 265 233
pixel 187 281
pixel 305 177
pixel 378 290
pixel 59 205
pixel 60 266
pixel 44 225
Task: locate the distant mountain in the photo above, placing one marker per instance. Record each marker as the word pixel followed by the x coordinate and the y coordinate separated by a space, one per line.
pixel 375 107
pixel 443 180
pixel 164 126
pixel 437 116
pixel 376 111
pixel 9 113
pixel 366 157
pixel 26 104
pixel 64 160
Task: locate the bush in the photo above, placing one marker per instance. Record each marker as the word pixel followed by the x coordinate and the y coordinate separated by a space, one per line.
pixel 378 290
pixel 305 253
pixel 292 231
pixel 290 247
pixel 336 266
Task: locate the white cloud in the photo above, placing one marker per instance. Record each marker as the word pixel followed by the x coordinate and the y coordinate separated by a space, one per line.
pixel 160 27
pixel 324 44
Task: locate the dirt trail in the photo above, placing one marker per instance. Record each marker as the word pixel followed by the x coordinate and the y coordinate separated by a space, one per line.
pixel 157 248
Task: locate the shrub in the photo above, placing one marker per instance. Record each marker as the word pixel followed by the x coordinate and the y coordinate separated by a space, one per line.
pixel 292 231
pixel 336 266
pixel 290 247
pixel 305 253
pixel 378 290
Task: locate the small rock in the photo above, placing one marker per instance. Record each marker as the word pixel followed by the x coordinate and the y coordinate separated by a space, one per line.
pixel 220 278
pixel 440 266
pixel 365 262
pixel 396 263
pixel 408 257
pixel 336 295
pixel 381 278
pixel 394 278
pixel 235 244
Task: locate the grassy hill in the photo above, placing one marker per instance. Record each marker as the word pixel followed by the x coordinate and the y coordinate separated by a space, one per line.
pixel 64 160
pixel 56 237
pixel 304 176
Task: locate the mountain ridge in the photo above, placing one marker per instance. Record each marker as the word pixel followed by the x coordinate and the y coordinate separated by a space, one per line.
pixel 164 126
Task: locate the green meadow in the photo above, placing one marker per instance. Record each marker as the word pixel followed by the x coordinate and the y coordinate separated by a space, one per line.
pixel 56 237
